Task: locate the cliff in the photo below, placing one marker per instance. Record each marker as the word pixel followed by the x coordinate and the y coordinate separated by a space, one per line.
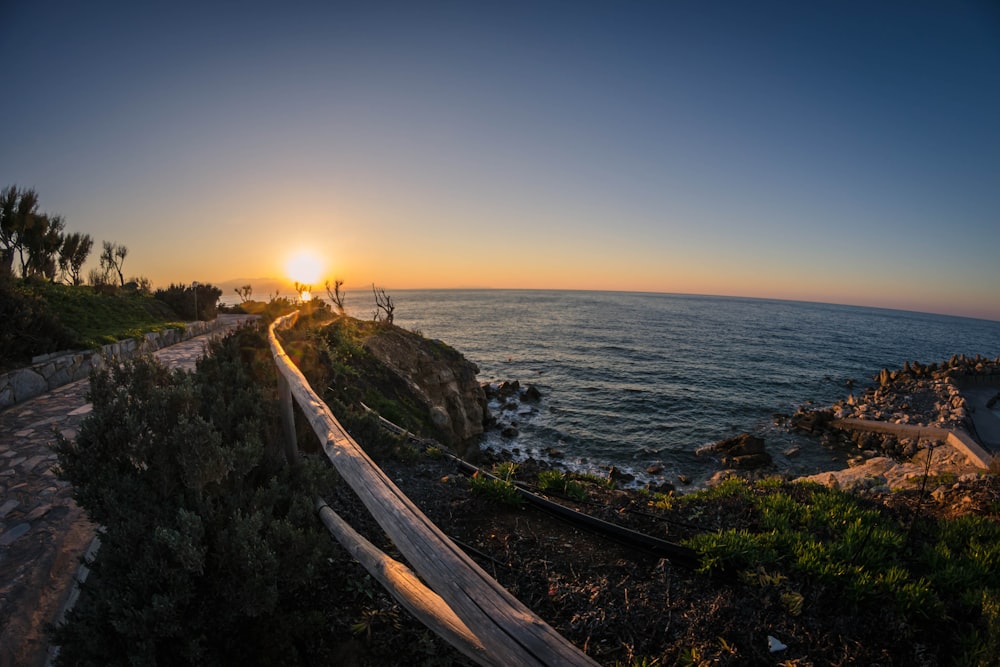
pixel 438 376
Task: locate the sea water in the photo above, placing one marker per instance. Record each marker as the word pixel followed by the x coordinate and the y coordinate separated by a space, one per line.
pixel 639 380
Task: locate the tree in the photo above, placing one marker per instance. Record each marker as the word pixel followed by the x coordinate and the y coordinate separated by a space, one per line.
pixel 197 302
pixel 18 209
pixel 73 254
pixel 384 307
pixel 303 290
pixel 43 237
pixel 112 259
pixel 336 296
pixel 244 293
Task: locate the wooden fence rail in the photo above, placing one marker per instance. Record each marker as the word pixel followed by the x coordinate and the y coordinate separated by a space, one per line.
pixel 465 605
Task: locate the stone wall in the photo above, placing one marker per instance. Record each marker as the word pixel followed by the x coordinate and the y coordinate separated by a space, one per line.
pixel 49 371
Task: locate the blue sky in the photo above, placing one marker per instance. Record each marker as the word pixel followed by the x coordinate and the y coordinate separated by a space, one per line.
pixel 843 152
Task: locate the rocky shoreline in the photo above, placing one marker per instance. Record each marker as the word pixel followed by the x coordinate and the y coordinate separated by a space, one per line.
pixel 930 395
pixel 868 427
pixel 934 399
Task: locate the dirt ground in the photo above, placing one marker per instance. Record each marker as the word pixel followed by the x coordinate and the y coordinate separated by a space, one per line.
pixel 625 606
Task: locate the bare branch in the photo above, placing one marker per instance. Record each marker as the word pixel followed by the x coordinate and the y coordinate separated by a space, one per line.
pixel 384 307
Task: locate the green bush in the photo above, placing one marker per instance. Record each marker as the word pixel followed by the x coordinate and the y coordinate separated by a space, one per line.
pixel 210 550
pixel 28 327
pixel 190 302
pixel 556 481
pixel 499 486
pixel 38 317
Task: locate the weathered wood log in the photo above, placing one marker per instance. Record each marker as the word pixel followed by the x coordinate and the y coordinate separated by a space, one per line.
pixel 510 632
pixel 288 420
pixel 426 605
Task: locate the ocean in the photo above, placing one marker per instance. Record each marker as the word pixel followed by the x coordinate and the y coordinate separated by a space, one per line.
pixel 635 380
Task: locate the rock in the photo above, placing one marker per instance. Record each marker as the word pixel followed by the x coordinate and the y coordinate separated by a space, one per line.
pixel 508 432
pixel 26 383
pixel 662 487
pixel 10 505
pixel 719 477
pixel 531 393
pixel 743 451
pixel 616 475
pixel 507 389
pixel 13 534
pixel 655 468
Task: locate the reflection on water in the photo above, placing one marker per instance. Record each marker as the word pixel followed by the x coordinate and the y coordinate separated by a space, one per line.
pixel 636 379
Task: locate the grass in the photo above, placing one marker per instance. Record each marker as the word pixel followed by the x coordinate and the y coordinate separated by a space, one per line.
pixel 98 319
pixel 352 374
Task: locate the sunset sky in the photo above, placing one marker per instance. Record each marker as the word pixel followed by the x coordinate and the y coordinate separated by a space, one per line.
pixel 843 152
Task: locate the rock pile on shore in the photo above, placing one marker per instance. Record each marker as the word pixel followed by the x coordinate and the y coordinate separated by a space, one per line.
pixel 511 401
pixel 918 394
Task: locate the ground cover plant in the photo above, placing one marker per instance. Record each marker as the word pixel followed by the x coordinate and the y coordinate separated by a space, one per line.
pixel 39 317
pixel 888 579
pixel 930 578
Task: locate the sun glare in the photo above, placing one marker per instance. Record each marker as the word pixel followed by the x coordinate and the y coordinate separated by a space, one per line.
pixel 304 268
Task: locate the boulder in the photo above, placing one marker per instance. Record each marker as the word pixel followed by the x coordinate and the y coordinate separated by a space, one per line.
pixel 744 451
pixel 26 383
pixel 618 476
pixel 531 393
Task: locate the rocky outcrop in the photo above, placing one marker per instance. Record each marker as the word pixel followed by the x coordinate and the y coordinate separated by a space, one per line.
pixel 443 379
pixel 928 396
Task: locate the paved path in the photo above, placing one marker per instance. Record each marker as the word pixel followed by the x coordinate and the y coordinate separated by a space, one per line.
pixel 43 533
pixel 986 421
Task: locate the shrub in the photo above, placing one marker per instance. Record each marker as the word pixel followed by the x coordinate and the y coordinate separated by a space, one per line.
pixel 558 482
pixel 199 302
pixel 28 326
pixel 210 550
pixel 499 486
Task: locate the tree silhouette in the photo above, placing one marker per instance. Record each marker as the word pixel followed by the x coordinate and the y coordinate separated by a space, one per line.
pixel 42 239
pixel 18 209
pixel 73 254
pixel 384 307
pixel 37 240
pixel 112 259
pixel 336 296
pixel 244 292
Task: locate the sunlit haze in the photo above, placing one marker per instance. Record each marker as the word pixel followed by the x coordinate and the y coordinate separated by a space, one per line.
pixel 304 267
pixel 842 152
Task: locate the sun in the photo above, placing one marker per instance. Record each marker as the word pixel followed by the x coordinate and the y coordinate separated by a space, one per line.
pixel 304 267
